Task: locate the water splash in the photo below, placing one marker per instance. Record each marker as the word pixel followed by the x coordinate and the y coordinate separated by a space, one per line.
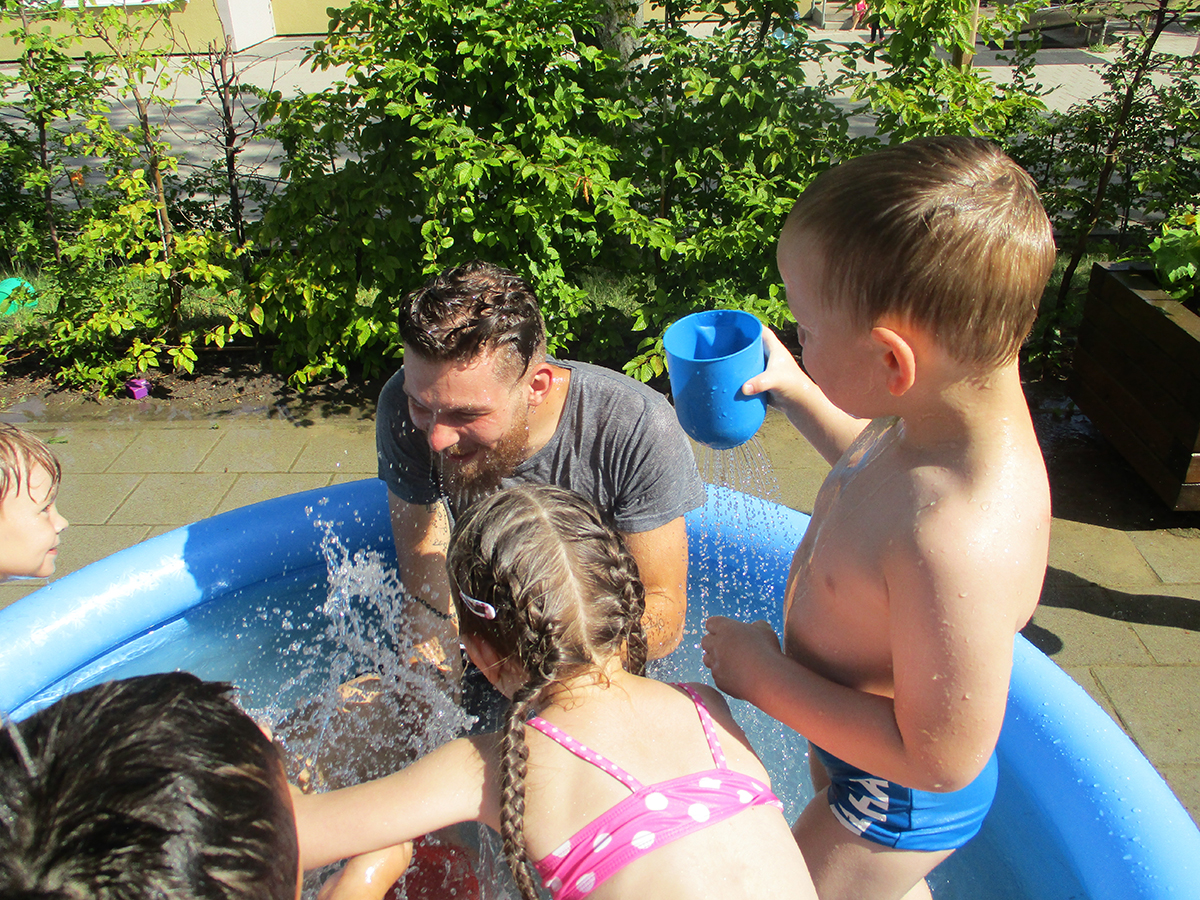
pixel 372 709
pixel 369 708
pixel 738 571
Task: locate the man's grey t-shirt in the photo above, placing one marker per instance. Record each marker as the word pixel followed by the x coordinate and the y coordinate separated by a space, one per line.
pixel 618 443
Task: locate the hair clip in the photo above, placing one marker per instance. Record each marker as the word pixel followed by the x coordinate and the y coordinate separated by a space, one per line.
pixel 481 609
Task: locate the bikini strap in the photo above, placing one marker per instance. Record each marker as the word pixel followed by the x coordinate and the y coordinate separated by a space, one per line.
pixel 710 728
pixel 584 752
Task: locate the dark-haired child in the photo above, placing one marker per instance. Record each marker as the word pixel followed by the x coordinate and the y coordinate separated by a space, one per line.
pixel 29 520
pixel 618 785
pixel 151 787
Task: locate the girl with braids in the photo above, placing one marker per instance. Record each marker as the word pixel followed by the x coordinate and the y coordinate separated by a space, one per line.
pixel 550 606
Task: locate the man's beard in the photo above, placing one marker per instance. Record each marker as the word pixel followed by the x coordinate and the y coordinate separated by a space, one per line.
pixel 481 476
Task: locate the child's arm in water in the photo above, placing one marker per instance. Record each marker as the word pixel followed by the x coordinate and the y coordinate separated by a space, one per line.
pixel 458 782
pixel 827 428
pixel 370 876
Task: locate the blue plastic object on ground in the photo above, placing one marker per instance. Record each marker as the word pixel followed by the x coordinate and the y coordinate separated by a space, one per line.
pixel 7 287
pixel 710 355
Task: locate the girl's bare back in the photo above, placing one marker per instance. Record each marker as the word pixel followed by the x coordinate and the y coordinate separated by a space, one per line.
pixel 653 732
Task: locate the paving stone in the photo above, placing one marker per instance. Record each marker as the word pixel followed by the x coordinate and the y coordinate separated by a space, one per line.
pixel 337 450
pixel 155 530
pixel 83 449
pixel 167 450
pixel 256 487
pixel 82 545
pixel 265 447
pixel 1185 784
pixel 1088 639
pixel 798 468
pixel 1165 617
pixel 1158 704
pixel 1173 554
pixel 91 499
pixel 346 477
pixel 1082 676
pixel 1097 554
pixel 12 591
pixel 777 464
pixel 168 499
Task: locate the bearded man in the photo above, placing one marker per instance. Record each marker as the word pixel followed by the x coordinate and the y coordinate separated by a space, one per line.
pixel 478 406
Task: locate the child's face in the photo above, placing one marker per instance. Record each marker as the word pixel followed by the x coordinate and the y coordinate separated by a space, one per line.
pixel 837 354
pixel 30 526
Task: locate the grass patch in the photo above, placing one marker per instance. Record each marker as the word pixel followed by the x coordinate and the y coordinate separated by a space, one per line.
pixel 624 293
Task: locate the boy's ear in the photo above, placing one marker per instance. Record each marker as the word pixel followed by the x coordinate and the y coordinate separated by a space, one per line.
pixel 899 357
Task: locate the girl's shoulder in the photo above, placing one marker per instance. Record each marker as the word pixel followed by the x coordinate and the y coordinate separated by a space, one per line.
pixel 718 708
pixel 712 699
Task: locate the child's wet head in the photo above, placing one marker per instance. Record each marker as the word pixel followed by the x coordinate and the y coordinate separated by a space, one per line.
pixel 30 523
pixel 947 233
pixel 545 579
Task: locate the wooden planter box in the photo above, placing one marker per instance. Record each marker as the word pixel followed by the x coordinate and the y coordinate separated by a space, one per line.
pixel 1136 374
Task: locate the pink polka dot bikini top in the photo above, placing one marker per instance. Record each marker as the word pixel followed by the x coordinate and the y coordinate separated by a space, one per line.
pixel 654 815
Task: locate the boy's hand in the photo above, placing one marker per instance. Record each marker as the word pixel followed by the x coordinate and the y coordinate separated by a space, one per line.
pixel 782 377
pixel 735 652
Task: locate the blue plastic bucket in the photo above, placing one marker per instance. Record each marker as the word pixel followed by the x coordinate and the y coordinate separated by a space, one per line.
pixel 710 355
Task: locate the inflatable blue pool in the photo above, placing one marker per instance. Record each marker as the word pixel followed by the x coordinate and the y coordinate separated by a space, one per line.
pixel 1080 812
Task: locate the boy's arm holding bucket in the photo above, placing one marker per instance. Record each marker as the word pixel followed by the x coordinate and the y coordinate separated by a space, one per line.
pixel 827 428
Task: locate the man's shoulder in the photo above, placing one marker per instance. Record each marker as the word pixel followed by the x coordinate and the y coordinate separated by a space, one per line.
pixel 600 378
pixel 618 397
pixel 392 390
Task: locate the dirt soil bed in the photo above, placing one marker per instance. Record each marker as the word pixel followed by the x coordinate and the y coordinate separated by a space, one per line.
pixel 222 384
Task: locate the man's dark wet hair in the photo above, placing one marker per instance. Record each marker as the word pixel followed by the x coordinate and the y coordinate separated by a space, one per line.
pixel 470 309
pixel 151 787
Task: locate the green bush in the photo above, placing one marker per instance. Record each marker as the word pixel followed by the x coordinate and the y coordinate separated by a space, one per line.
pixel 550 136
pixel 115 268
pixel 492 131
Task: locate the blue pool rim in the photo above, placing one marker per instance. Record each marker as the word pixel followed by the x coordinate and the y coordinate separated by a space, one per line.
pixel 1073 786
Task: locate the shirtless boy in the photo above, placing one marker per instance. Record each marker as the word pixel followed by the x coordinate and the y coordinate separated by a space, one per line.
pixel 928 540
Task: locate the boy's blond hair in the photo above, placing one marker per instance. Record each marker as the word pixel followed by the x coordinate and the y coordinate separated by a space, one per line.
pixel 947 233
pixel 19 453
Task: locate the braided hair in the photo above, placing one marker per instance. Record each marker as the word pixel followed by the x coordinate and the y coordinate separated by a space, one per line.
pixel 545 578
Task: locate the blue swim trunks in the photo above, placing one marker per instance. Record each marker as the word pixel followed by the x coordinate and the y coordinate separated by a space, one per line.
pixel 901 817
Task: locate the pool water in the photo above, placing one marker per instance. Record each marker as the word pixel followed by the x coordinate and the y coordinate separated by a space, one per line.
pixel 288 642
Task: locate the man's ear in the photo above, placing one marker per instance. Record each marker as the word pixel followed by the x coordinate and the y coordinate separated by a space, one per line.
pixel 899 358
pixel 541 383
